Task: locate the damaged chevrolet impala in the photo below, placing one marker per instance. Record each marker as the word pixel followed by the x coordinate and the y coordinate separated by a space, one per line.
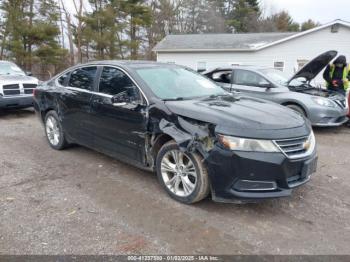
pixel 198 138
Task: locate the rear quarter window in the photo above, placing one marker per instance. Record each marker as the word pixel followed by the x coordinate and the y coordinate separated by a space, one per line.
pixel 63 79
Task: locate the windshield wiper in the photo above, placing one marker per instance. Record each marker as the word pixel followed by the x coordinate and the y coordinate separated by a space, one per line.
pixel 174 99
pixel 218 95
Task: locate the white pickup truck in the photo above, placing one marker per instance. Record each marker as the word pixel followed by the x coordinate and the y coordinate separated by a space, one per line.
pixel 16 88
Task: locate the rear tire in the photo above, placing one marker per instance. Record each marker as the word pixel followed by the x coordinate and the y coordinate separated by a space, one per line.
pixel 297 109
pixel 183 175
pixel 54 131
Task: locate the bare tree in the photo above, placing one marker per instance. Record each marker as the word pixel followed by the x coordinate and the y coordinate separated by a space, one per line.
pixel 69 33
pixel 79 8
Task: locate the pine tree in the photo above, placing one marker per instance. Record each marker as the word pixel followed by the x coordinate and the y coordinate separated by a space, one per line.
pixel 245 13
pixel 100 30
pixel 32 32
pixel 137 16
pixel 45 34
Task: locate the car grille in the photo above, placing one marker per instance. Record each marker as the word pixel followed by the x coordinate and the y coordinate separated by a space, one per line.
pixel 296 147
pixel 341 103
pixel 14 89
pixel 11 90
pixel 28 88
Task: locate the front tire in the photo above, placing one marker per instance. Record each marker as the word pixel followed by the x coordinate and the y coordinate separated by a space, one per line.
pixel 54 131
pixel 182 174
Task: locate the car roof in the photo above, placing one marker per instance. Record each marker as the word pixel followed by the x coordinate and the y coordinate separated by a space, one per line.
pixel 127 63
pixel 248 67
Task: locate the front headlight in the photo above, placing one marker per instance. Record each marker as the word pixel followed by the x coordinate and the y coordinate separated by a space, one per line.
pixel 323 101
pixel 244 144
pixel 310 144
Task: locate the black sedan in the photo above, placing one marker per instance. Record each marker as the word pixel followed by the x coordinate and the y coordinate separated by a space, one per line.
pixel 199 138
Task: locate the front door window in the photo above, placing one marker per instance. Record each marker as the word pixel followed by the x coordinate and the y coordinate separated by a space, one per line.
pixel 115 82
pixel 249 78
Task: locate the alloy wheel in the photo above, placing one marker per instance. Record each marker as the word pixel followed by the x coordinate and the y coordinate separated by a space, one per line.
pixel 52 130
pixel 178 173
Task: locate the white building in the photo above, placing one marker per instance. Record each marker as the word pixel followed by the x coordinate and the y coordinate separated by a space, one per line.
pixel 284 51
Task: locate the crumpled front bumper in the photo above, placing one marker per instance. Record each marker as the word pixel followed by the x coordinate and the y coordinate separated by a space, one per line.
pixel 253 176
pixel 20 101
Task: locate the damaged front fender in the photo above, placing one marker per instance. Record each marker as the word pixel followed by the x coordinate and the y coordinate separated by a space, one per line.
pixel 190 135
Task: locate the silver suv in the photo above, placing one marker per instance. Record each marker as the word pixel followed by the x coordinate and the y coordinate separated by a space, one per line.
pixel 16 88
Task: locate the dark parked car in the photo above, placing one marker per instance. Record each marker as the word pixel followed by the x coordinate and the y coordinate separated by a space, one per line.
pixel 199 138
pixel 320 106
pixel 16 88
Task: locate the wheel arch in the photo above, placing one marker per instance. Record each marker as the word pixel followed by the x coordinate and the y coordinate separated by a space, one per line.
pixel 160 140
pixel 286 103
pixel 44 113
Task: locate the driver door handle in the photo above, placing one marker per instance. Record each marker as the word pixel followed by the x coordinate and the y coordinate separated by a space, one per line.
pixel 119 104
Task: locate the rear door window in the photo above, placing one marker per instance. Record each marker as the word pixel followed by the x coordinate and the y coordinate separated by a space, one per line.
pixel 83 78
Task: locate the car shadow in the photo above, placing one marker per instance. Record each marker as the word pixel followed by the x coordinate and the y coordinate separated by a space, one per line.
pixel 16 113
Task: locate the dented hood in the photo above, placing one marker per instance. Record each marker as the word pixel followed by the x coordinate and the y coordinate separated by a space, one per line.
pixel 315 66
pixel 243 117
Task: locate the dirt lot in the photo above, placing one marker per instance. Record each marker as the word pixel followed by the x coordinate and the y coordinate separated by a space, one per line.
pixel 78 201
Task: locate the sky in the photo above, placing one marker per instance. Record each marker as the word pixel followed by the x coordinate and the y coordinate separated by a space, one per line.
pixel 323 11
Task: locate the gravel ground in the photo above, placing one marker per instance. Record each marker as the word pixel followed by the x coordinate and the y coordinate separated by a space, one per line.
pixel 78 201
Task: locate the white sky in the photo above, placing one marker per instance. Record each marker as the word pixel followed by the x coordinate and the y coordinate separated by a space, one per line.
pixel 70 5
pixel 322 11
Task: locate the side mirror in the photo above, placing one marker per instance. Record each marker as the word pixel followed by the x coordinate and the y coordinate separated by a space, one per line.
pixel 266 85
pixel 120 100
pixel 28 73
pixel 129 96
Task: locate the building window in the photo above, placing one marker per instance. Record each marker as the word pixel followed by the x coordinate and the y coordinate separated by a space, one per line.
pixel 278 65
pixel 201 66
pixel 301 63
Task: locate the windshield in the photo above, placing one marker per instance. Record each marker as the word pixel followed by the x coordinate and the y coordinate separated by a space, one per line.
pixel 281 77
pixel 277 76
pixel 10 69
pixel 169 83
